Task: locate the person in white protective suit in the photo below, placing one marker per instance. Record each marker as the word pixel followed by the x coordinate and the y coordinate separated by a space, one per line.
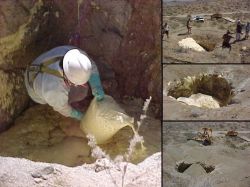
pixel 53 75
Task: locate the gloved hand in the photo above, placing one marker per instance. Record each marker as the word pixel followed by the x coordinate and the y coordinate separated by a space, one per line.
pixel 76 114
pixel 96 86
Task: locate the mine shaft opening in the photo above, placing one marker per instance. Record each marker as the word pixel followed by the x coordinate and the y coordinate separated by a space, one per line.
pixel 183 166
pixel 213 85
pixel 207 168
pixel 208 42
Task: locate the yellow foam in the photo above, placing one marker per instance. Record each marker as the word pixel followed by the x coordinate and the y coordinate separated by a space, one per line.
pixel 104 119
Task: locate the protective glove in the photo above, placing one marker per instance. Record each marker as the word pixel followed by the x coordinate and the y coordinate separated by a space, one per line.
pixel 96 86
pixel 76 114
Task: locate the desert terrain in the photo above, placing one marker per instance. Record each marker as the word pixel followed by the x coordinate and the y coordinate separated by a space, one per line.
pixel 227 84
pixel 207 34
pixel 189 163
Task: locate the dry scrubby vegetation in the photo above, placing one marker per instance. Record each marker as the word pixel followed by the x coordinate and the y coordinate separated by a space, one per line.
pixel 212 6
pixel 207 34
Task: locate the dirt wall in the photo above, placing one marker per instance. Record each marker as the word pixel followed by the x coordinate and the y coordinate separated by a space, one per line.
pixel 122 34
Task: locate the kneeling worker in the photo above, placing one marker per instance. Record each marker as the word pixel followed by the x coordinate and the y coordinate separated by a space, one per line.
pixel 55 73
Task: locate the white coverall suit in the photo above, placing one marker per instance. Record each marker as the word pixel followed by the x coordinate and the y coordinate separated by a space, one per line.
pixel 50 89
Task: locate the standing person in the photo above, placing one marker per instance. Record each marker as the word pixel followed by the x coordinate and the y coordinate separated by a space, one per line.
pixel 226 40
pixel 166 30
pixel 54 76
pixel 238 30
pixel 247 30
pixel 189 28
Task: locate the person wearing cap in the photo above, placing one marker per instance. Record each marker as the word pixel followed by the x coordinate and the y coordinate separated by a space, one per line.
pixel 53 75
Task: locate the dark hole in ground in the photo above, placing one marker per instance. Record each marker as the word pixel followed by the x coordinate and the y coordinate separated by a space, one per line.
pixel 209 84
pixel 208 168
pixel 183 166
pixel 208 41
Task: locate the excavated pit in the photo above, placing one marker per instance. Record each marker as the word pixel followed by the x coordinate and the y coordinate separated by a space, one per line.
pixel 181 167
pixel 53 138
pixel 37 132
pixel 204 88
pixel 207 41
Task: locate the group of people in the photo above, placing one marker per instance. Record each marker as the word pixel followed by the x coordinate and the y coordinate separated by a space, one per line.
pixel 226 37
pixel 239 31
pixel 166 28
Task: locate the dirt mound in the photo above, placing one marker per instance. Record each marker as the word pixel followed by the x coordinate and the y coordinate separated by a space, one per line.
pixel 200 100
pixel 190 43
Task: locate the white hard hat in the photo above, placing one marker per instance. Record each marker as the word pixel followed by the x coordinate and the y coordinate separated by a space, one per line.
pixel 77 67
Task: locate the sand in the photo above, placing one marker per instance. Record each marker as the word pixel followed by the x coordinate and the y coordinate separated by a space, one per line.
pixel 208 34
pixel 224 163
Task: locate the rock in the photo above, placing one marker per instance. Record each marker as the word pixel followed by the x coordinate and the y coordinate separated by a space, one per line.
pixel 42 173
pixel 244 48
pixel 113 32
pixel 48 170
pixel 37 180
pixel 190 43
pixel 18 21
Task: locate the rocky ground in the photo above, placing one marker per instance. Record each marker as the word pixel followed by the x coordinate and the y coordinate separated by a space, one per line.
pixel 236 109
pixel 189 163
pixel 21 172
pixel 208 34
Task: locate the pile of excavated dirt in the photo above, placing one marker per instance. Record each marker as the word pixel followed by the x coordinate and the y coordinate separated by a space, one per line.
pixel 21 172
pixel 189 163
pixel 228 85
pixel 190 43
pixel 200 100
